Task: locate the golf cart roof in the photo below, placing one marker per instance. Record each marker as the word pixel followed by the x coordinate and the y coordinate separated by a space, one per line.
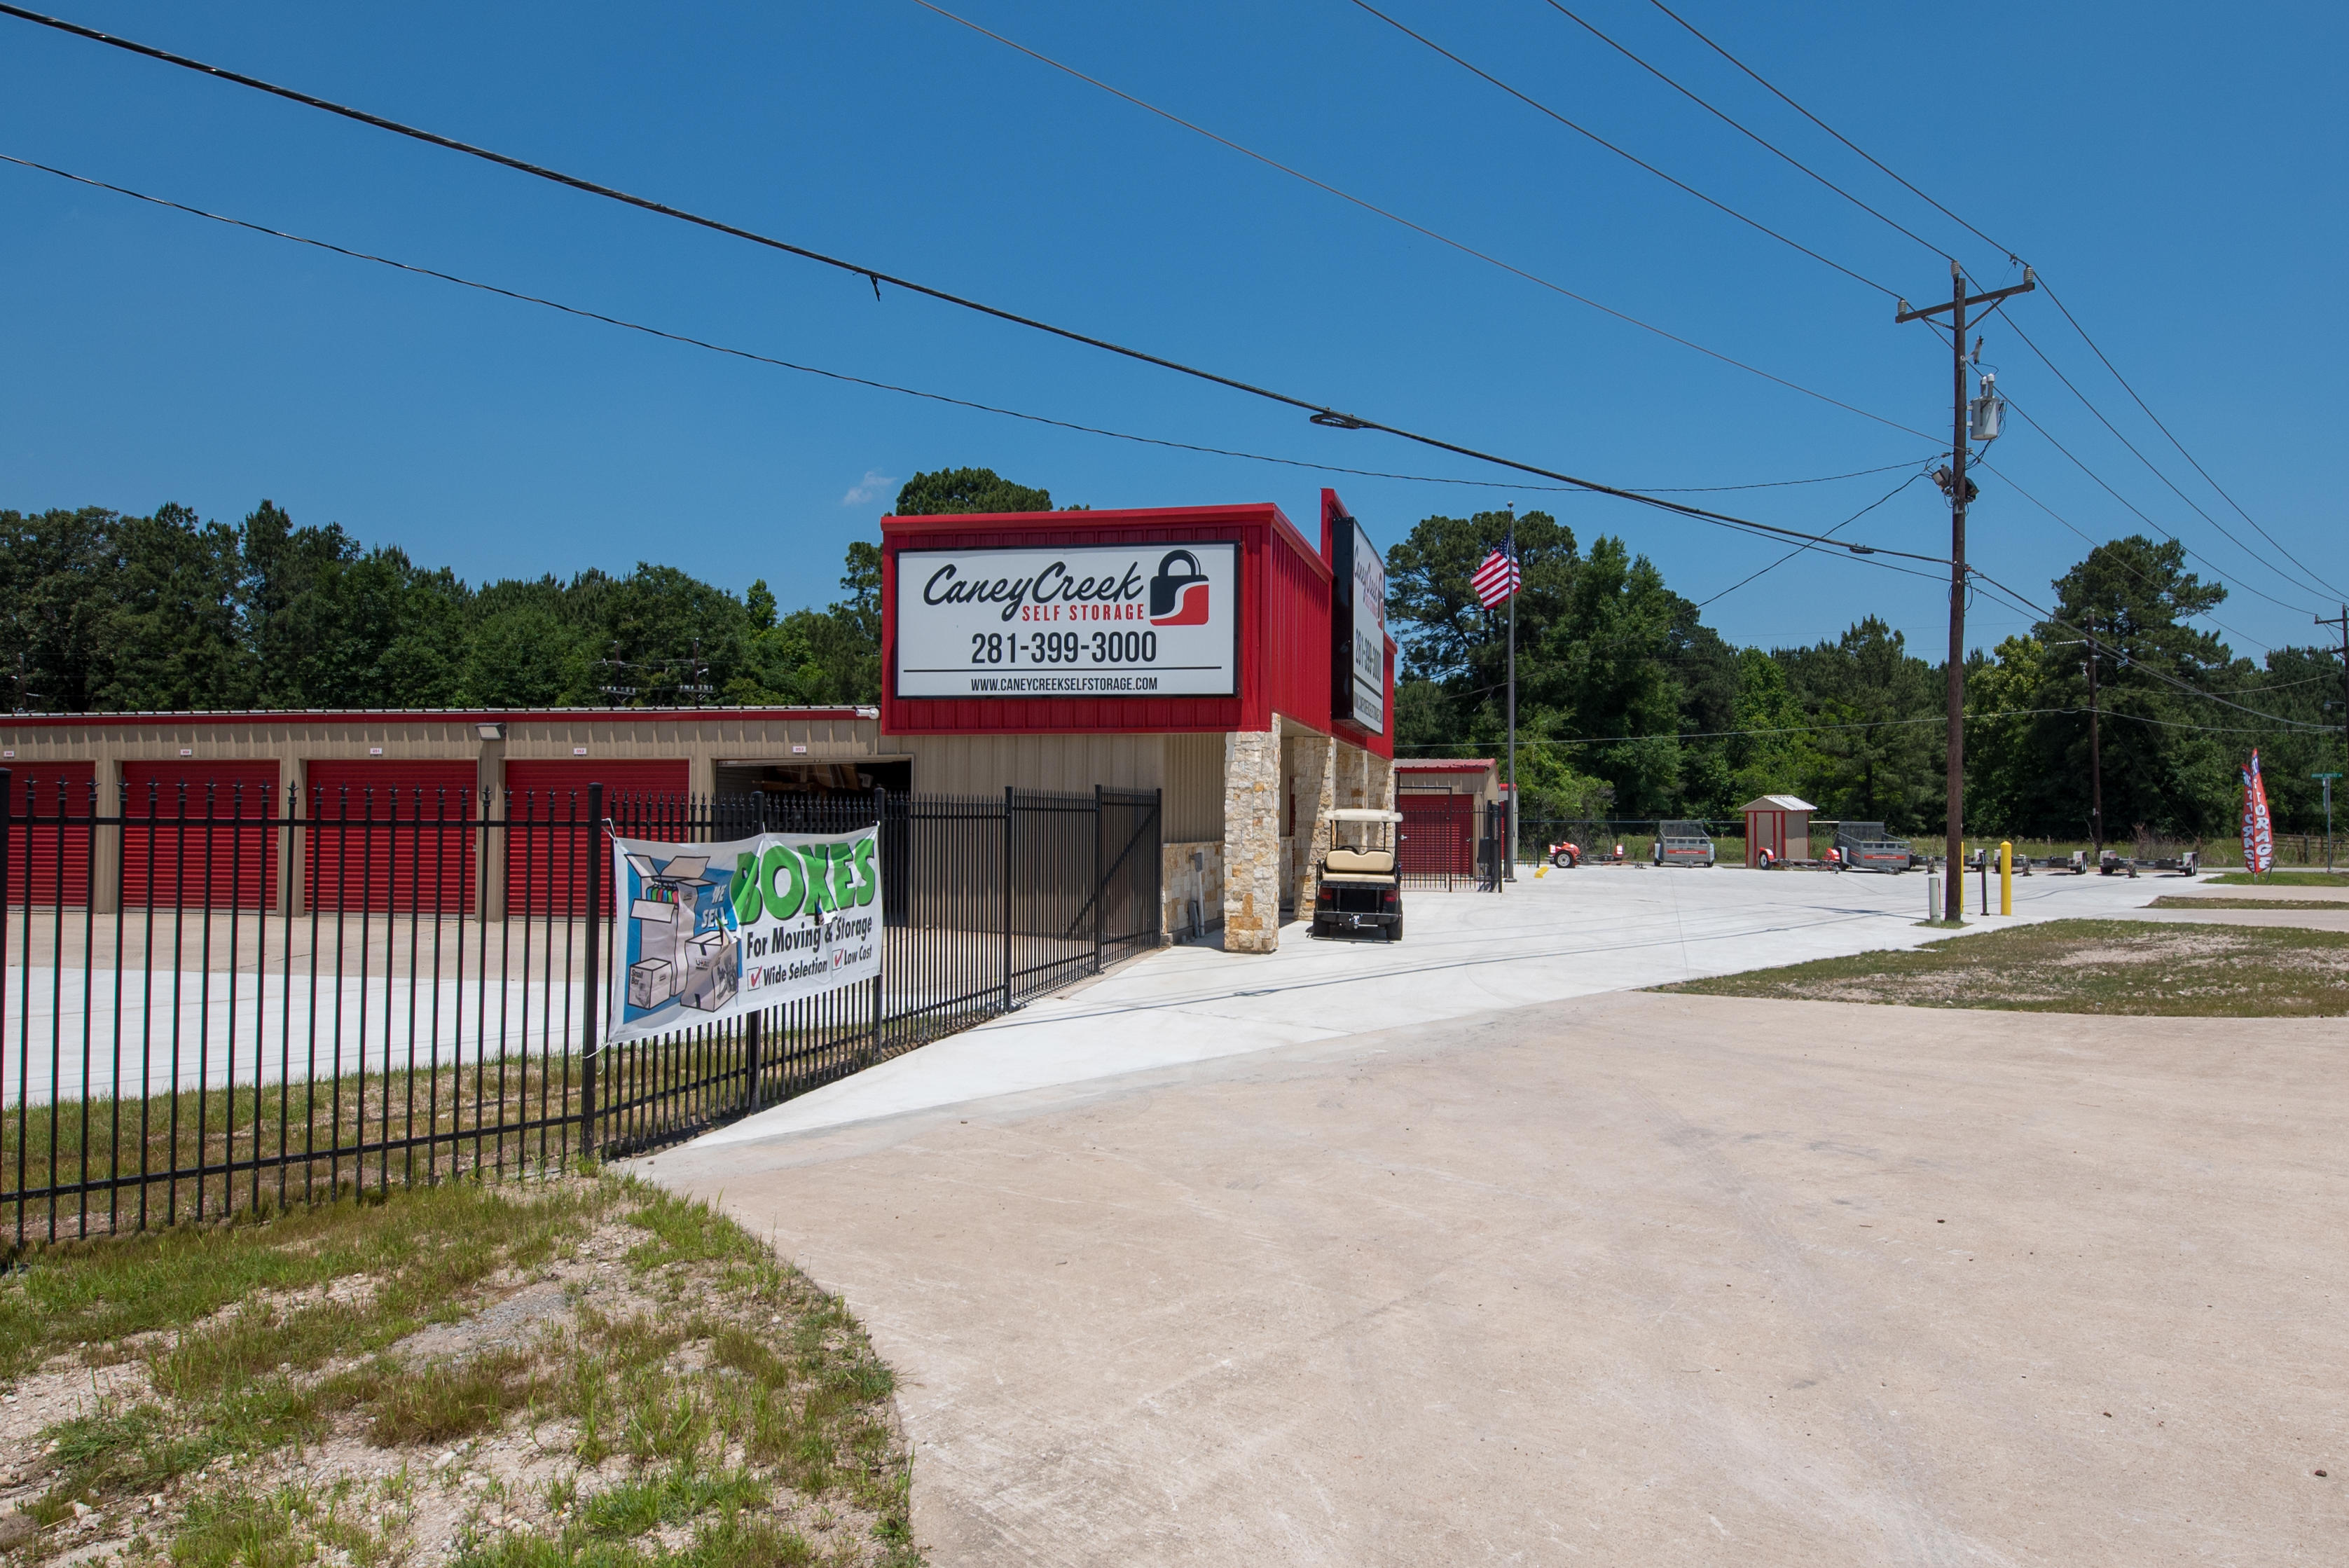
pixel 1354 814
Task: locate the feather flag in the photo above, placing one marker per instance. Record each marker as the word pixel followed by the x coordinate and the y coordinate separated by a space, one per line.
pixel 2259 832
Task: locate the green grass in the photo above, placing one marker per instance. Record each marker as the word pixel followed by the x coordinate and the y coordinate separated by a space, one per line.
pixel 2283 879
pixel 2132 967
pixel 2176 901
pixel 744 1384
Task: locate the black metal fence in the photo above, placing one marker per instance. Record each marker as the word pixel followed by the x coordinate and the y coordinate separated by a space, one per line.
pixel 220 998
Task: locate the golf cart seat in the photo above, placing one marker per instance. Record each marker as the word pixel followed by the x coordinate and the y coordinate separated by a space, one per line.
pixel 1343 862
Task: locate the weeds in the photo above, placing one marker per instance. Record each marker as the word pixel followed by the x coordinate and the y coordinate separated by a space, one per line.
pixel 700 1405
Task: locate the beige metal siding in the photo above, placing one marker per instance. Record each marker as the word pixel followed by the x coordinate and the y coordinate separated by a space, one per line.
pixel 988 764
pixel 1195 788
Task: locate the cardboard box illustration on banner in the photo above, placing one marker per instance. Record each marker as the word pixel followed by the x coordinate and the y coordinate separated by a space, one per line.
pixel 685 951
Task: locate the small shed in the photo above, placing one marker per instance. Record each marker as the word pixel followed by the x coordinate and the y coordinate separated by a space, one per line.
pixel 1780 823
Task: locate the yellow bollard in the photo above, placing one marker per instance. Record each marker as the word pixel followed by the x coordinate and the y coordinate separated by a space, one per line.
pixel 2006 879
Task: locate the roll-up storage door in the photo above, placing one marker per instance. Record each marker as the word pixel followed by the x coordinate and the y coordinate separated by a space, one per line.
pixel 48 851
pixel 546 804
pixel 390 836
pixel 199 834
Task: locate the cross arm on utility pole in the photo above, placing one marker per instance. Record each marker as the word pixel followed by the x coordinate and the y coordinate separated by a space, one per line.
pixel 2029 283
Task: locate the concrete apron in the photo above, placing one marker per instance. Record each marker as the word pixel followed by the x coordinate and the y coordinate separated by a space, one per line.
pixel 1652 1278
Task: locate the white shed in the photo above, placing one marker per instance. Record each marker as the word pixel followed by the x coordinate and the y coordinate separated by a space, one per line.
pixel 1780 823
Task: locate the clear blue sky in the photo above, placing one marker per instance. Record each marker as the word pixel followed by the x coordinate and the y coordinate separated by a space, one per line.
pixel 2172 170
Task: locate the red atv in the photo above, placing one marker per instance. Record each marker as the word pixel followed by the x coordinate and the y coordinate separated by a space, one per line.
pixel 1565 856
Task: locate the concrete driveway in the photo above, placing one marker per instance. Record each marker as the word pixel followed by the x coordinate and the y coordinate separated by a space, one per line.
pixel 1630 1278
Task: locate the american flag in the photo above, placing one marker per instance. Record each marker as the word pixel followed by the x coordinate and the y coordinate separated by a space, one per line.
pixel 1497 580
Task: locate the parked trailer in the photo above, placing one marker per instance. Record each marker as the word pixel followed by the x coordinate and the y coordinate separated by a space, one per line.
pixel 1866 847
pixel 1683 843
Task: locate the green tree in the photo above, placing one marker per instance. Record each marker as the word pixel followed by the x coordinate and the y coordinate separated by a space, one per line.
pixel 958 490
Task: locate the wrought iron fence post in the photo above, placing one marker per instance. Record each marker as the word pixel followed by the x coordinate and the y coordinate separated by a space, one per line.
pixel 1101 887
pixel 8 832
pixel 751 1060
pixel 591 1045
pixel 1007 896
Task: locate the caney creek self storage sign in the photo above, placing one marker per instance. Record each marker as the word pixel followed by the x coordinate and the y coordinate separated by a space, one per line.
pixel 1144 620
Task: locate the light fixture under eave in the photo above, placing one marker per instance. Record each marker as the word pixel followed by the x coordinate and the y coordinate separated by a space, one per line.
pixel 491 731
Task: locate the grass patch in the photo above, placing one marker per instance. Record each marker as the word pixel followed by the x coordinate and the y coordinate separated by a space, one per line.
pixel 2129 967
pixel 2177 901
pixel 585 1372
pixel 2283 879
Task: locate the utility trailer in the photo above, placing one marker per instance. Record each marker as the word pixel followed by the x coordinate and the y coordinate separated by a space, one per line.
pixel 1683 843
pixel 1866 847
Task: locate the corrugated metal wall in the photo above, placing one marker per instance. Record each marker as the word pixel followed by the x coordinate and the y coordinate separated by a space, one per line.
pixel 1195 788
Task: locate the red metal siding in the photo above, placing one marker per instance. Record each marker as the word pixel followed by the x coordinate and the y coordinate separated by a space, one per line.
pixel 546 800
pixel 227 862
pixel 426 869
pixel 51 859
pixel 1292 627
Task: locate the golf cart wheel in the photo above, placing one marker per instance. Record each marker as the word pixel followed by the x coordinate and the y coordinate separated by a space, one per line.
pixel 1395 932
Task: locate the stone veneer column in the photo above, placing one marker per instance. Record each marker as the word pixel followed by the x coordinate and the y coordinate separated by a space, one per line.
pixel 1252 840
pixel 1382 795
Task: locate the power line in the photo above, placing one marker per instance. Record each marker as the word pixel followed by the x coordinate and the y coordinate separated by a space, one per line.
pixel 2125 501
pixel 2051 619
pixel 2088 540
pixel 2189 456
pixel 1745 130
pixel 1801 548
pixel 2017 329
pixel 1973 717
pixel 1395 217
pixel 815 369
pixel 2052 296
pixel 1321 413
pixel 1535 104
pixel 1838 135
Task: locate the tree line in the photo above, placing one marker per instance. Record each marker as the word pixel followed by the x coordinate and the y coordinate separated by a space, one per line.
pixel 1629 705
pixel 106 612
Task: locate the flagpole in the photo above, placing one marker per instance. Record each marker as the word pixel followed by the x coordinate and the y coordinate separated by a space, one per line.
pixel 1508 868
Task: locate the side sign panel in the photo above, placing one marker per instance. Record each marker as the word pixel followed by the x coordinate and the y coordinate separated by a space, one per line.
pixel 1358 623
pixel 1114 620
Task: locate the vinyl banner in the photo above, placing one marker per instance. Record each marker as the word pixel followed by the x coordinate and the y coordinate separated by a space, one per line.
pixel 1085 621
pixel 2259 832
pixel 709 930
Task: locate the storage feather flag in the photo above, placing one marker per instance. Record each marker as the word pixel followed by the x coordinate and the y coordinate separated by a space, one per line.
pixel 2259 832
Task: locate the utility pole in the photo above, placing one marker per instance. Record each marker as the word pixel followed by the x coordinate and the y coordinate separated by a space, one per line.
pixel 2096 753
pixel 2341 620
pixel 1962 492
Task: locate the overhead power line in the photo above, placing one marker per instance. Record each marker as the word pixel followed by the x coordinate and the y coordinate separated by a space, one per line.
pixel 2085 402
pixel 1800 550
pixel 1838 135
pixel 1538 105
pixel 2090 541
pixel 1746 131
pixel 1391 216
pixel 2189 456
pixel 2101 484
pixel 2052 296
pixel 1321 413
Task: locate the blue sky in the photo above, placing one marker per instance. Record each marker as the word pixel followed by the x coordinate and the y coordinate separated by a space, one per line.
pixel 2171 170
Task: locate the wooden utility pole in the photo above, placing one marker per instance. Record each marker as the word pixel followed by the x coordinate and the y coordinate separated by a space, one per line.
pixel 2095 753
pixel 1962 492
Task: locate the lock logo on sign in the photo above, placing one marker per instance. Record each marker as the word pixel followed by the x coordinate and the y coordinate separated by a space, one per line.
pixel 1178 600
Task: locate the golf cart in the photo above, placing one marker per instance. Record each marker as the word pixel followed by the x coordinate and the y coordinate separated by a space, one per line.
pixel 1360 889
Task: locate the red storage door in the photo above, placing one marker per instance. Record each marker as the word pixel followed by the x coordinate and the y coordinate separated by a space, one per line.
pixel 1439 834
pixel 390 836
pixel 214 841
pixel 547 801
pixel 48 855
